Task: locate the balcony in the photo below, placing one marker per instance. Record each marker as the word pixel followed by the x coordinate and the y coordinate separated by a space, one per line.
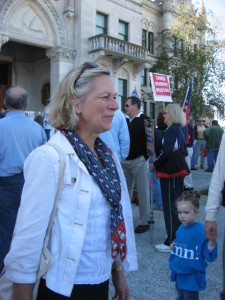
pixel 116 49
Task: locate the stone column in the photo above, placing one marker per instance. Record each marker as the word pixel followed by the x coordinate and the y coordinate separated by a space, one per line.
pixel 62 60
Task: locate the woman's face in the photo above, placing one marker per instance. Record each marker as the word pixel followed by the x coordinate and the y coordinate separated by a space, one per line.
pixel 97 111
pixel 166 117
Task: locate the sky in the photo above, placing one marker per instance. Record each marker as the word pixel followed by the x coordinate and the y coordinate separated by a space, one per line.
pixel 217 6
pixel 218 9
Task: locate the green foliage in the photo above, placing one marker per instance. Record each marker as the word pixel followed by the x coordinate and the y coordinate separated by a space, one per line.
pixel 190 51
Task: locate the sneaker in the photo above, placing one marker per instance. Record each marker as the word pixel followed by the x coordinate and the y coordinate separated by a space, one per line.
pixel 141 228
pixel 162 248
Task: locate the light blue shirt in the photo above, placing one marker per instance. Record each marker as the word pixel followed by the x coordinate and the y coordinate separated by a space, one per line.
pixel 118 138
pixel 19 136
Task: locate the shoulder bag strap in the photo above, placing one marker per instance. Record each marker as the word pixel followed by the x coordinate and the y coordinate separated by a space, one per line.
pixel 60 185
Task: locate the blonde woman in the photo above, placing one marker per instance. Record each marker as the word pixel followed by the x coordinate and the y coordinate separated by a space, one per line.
pixel 171 188
pixel 92 234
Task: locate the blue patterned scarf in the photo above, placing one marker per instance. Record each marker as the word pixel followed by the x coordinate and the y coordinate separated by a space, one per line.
pixel 106 176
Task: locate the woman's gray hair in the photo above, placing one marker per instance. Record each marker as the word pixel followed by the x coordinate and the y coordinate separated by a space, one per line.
pixel 61 114
pixel 16 98
pixel 176 114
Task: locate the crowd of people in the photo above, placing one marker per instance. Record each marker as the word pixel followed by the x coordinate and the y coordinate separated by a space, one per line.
pixel 106 155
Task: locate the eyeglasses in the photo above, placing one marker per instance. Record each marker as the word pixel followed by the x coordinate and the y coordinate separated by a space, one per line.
pixel 86 65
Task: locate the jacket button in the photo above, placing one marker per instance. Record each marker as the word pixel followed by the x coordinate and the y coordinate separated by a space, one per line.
pixel 73 179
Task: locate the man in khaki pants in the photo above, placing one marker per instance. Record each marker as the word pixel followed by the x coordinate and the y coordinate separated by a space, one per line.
pixel 135 167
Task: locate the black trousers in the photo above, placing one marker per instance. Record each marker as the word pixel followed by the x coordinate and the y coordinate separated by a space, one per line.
pixel 80 292
pixel 171 189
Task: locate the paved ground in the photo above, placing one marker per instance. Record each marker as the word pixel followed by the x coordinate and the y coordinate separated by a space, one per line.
pixel 151 281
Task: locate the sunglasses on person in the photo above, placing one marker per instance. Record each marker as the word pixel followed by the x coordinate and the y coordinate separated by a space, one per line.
pixel 86 65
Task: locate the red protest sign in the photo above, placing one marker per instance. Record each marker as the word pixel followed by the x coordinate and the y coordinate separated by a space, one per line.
pixel 161 87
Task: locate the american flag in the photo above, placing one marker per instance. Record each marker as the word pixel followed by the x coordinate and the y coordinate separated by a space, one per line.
pixel 187 101
pixel 134 93
pixel 186 107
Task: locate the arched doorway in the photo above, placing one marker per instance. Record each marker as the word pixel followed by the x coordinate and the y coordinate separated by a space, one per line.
pixel 28 30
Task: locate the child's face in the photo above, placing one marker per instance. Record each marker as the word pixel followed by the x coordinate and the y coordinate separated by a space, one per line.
pixel 187 214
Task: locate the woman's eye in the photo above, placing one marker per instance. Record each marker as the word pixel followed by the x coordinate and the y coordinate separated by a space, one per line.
pixel 105 98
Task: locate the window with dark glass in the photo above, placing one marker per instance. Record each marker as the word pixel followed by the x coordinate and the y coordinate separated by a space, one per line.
pixel 174 45
pixel 181 49
pixel 123 30
pixel 144 38
pixel 122 92
pixel 144 77
pixel 151 42
pixel 101 23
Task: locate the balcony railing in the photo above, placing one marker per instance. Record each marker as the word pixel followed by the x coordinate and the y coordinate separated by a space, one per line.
pixel 117 48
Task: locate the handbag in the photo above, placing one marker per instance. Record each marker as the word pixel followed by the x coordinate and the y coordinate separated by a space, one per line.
pixel 47 259
pixel 174 166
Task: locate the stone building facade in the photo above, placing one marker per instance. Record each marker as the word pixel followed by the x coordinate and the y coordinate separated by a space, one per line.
pixel 41 40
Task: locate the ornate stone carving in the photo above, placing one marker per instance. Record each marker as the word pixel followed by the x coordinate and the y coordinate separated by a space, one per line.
pixel 26 20
pixel 57 19
pixel 61 53
pixel 123 73
pixel 151 4
pixel 69 11
pixel 4 38
pixel 118 63
pixel 137 69
pixel 34 24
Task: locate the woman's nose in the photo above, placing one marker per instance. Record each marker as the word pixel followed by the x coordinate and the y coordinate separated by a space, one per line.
pixel 113 104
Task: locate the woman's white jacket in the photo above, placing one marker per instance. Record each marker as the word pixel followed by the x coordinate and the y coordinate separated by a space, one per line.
pixel 70 223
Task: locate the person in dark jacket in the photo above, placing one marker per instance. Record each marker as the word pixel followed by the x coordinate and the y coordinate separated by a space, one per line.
pixel 171 188
pixel 213 136
pixel 188 183
pixel 39 119
pixel 135 167
pixel 157 195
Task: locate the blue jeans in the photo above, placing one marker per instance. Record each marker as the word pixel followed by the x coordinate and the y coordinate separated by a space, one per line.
pixel 193 158
pixel 187 295
pixel 211 159
pixel 10 195
pixel 157 196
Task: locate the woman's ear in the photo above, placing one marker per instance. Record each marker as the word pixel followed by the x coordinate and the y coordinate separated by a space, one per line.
pixel 75 106
pixel 78 108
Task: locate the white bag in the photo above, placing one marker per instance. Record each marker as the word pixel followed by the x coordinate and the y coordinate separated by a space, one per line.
pixel 46 260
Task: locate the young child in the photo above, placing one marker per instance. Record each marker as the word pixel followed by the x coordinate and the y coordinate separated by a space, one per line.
pixel 190 249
